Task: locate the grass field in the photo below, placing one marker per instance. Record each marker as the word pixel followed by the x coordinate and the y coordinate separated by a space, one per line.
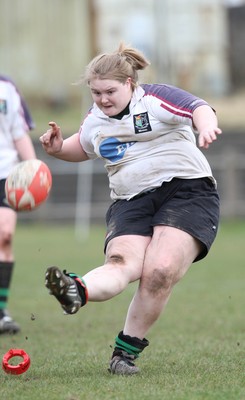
pixel 197 346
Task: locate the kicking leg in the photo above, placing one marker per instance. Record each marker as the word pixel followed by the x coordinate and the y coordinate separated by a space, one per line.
pixel 124 262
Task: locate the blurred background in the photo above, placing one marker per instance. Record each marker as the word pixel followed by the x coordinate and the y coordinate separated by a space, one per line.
pixel 198 45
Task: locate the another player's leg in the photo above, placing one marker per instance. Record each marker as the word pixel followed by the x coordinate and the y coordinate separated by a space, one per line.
pixel 7 228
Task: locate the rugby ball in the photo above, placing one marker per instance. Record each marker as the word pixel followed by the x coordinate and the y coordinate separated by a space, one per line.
pixel 28 185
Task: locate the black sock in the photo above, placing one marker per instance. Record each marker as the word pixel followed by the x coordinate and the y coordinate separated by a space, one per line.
pixel 132 345
pixel 6 271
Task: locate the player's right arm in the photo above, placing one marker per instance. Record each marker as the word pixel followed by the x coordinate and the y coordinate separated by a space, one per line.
pixel 68 149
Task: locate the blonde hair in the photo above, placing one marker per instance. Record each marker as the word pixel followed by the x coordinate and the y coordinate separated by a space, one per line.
pixel 119 65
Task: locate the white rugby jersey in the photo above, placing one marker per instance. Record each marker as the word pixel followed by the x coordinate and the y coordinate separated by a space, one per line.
pixel 153 144
pixel 15 121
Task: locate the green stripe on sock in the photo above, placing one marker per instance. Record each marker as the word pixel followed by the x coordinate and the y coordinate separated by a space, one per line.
pixel 72 275
pixel 4 292
pixel 127 347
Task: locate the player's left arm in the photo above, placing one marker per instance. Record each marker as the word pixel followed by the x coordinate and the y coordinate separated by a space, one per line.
pixel 25 148
pixel 206 123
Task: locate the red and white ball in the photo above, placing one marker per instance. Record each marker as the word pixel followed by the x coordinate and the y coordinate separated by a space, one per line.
pixel 28 185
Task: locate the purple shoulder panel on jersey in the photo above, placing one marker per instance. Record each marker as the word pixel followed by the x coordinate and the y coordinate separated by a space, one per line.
pixel 27 115
pixel 173 99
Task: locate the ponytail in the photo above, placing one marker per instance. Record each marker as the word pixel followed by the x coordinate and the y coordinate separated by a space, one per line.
pixel 133 57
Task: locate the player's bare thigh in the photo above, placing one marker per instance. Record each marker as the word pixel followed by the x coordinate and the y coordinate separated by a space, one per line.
pixel 169 256
pixel 128 251
pixel 8 220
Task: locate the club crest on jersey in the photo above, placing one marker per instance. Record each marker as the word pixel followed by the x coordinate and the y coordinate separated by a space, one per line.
pixel 3 106
pixel 142 123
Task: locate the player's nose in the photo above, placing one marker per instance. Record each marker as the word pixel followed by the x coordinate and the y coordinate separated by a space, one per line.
pixel 104 99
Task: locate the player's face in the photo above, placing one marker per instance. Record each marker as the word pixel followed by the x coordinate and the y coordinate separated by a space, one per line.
pixel 111 96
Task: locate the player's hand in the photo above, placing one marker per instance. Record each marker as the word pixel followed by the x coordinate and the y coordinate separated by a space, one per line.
pixel 52 140
pixel 207 136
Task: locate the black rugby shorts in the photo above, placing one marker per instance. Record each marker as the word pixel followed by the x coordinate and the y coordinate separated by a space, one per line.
pixel 191 205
